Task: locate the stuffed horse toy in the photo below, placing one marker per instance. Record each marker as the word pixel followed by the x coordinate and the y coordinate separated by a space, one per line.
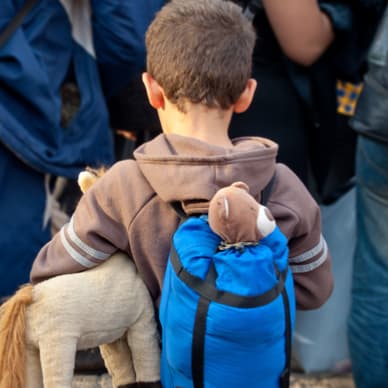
pixel 42 326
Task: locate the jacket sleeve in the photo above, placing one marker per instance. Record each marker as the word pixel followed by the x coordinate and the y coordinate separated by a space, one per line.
pixel 298 216
pixel 96 230
pixel 119 29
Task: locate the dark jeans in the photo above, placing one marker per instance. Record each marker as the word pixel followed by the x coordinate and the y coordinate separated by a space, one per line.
pixel 368 320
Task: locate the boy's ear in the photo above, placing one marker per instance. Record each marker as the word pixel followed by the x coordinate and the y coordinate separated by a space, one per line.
pixel 246 97
pixel 154 91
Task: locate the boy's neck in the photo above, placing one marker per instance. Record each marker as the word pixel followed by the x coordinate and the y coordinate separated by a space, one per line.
pixel 199 122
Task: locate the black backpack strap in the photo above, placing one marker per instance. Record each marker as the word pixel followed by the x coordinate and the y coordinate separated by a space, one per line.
pixel 266 192
pixel 208 290
pixel 285 376
pixel 177 206
pixel 199 332
pixel 16 21
pixel 198 342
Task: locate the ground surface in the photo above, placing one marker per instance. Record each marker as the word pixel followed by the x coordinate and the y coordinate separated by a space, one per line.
pixel 297 381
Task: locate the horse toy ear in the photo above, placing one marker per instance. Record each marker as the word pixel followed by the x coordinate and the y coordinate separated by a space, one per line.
pixel 88 177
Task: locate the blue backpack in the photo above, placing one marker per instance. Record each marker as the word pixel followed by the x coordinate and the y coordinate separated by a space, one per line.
pixel 220 329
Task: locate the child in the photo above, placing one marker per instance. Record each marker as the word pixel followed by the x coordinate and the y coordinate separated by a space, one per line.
pixel 198 75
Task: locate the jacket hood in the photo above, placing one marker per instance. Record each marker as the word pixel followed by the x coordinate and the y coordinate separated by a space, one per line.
pixel 188 170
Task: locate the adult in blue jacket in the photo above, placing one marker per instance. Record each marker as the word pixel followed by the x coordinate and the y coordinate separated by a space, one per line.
pixel 46 52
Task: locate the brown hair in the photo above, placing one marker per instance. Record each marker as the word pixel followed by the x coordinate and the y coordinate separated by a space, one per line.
pixel 200 51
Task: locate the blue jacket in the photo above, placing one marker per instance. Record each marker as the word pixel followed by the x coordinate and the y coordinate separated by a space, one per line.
pixel 34 64
pixel 41 56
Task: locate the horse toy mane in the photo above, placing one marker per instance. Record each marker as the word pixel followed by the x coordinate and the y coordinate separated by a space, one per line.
pixel 42 326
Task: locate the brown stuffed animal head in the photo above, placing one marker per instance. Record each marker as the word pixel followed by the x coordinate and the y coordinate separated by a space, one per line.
pixel 237 217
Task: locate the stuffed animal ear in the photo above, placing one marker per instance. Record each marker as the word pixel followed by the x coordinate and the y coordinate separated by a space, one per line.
pixel 224 209
pixel 220 208
pixel 241 185
pixel 265 221
pixel 219 215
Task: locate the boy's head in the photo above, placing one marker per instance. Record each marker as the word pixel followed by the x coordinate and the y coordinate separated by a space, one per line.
pixel 200 51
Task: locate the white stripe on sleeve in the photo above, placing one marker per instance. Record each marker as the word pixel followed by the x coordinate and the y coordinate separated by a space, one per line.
pixel 313 265
pixel 94 253
pixel 309 254
pixel 85 262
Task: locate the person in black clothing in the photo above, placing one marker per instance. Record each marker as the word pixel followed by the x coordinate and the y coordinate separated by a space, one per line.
pixel 302 48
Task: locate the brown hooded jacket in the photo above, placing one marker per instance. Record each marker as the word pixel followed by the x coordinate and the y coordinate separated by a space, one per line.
pixel 128 209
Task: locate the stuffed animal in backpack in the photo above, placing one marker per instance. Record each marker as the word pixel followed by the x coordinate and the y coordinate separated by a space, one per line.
pixel 228 306
pixel 42 326
pixel 237 217
pixel 242 222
